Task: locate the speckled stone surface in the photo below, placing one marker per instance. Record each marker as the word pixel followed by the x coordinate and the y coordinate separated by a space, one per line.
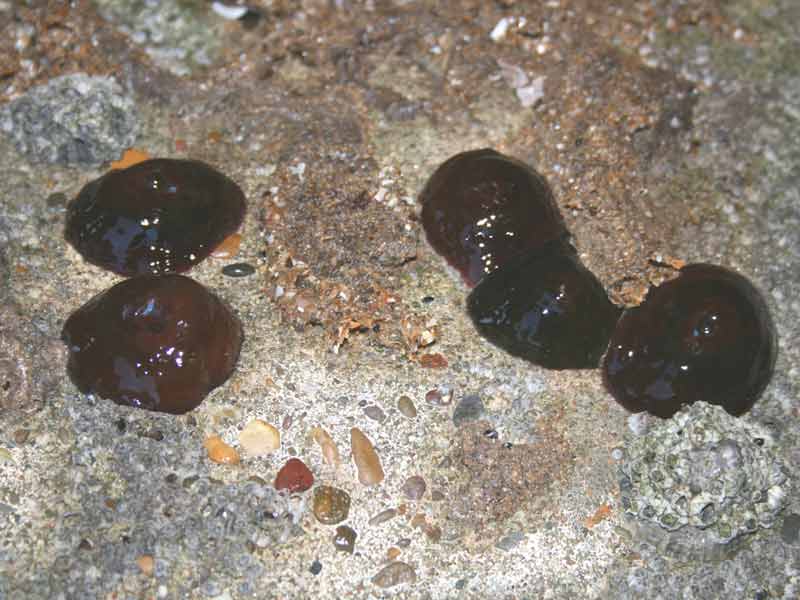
pixel 667 130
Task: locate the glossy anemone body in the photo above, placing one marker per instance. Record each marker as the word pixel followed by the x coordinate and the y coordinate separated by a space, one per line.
pixel 158 216
pixel 156 342
pixel 480 209
pixel 705 335
pixel 545 307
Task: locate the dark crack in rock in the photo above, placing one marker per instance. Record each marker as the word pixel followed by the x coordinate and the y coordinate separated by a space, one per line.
pixel 73 119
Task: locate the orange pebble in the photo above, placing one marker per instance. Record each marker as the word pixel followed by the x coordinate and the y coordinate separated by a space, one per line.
pixel 130 157
pixel 229 247
pixel 220 452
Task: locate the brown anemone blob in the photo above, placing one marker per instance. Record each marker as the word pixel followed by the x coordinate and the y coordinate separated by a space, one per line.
pixel 160 343
pixel 705 335
pixel 158 216
pixel 545 307
pixel 481 208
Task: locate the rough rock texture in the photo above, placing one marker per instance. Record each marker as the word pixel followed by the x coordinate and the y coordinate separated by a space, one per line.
pixel 705 469
pixel 74 119
pixel 669 131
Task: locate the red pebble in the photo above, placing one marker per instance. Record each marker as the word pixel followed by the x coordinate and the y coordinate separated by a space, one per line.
pixel 294 476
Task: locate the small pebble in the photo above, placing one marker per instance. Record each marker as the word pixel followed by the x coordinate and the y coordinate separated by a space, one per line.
pixel 344 539
pixel 439 397
pixel 146 564
pixel 85 544
pixel 414 487
pixel 331 505
pixel 330 452
pixel 375 413
pixel 437 496
pixel 259 438
pixel 404 542
pixel 392 553
pixel 316 567
pixel 21 436
pixel 469 409
pixel 434 533
pixel 294 476
pixel 220 452
pixel 383 516
pixel 790 530
pixel 507 542
pixel 238 270
pixel 394 574
pixel 367 462
pixel 406 406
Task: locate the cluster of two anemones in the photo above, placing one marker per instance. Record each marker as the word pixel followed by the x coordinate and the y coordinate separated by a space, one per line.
pixel 158 340
pixel 704 335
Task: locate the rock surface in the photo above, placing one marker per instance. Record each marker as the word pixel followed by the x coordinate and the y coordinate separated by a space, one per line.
pixel 74 119
pixel 668 131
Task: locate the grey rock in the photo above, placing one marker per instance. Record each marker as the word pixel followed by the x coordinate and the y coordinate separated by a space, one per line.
pixel 790 530
pixel 414 487
pixel 470 408
pixel 704 469
pixel 383 516
pixel 178 36
pixel 375 413
pixel 74 119
pixel 507 542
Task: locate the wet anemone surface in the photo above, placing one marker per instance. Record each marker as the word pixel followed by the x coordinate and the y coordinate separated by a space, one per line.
pixel 156 342
pixel 545 307
pixel 158 216
pixel 480 209
pixel 705 335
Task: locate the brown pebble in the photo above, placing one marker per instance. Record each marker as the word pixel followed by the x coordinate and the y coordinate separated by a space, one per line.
pixel 220 452
pixel 406 406
pixel 437 496
pixel 414 487
pixel 367 462
pixel 259 438
pixel 383 516
pixel 439 397
pixel 392 553
pixel 434 533
pixel 21 435
pixel 331 505
pixel 394 574
pixel 294 476
pixel 330 452
pixel 344 539
pixel 146 564
pixel 418 521
pixel 433 361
